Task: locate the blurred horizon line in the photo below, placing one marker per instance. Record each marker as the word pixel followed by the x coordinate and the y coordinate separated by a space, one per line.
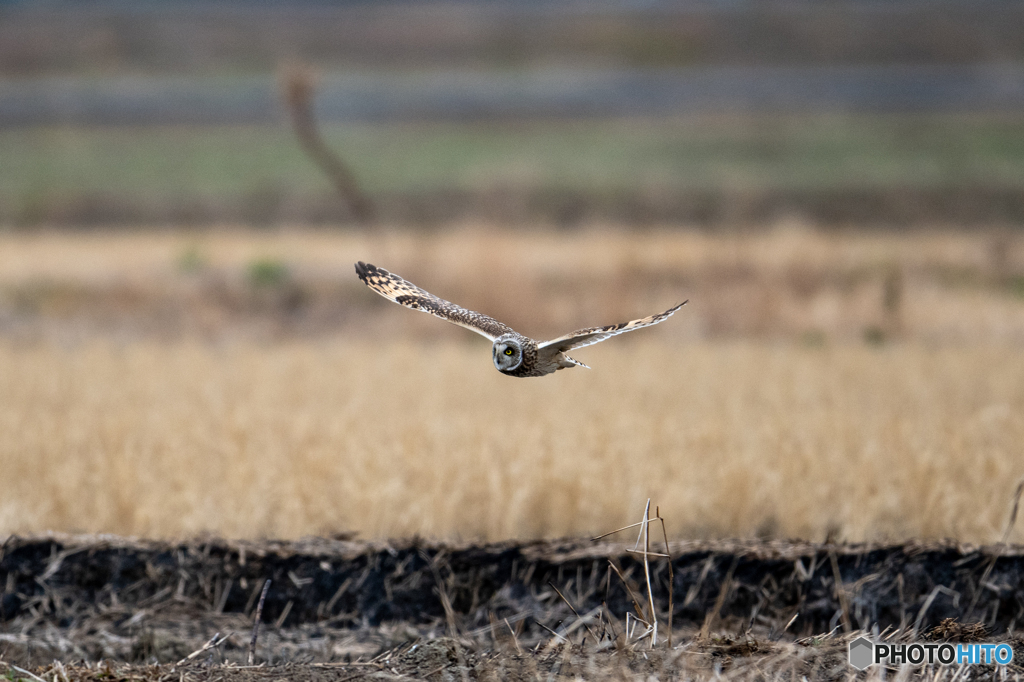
pixel 388 95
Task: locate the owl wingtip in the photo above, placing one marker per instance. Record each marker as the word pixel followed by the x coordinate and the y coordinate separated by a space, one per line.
pixel 363 270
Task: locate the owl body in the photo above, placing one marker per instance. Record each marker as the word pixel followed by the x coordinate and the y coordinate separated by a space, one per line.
pixel 526 358
pixel 513 354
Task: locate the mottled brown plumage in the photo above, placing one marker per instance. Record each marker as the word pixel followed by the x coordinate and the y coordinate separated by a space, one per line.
pixel 513 354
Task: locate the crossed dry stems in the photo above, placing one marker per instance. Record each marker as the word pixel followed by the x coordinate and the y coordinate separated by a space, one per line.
pixel 650 618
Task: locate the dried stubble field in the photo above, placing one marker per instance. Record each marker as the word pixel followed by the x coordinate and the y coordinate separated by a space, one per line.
pixel 731 439
pixel 758 410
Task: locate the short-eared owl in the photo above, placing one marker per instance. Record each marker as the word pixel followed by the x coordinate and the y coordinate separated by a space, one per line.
pixel 514 354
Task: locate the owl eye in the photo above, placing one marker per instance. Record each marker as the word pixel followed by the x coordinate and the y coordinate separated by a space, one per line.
pixel 508 351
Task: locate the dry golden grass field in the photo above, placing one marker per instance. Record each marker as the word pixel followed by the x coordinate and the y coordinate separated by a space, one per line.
pixel 867 385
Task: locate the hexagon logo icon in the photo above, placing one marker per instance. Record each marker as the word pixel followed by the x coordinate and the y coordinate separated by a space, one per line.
pixel 862 653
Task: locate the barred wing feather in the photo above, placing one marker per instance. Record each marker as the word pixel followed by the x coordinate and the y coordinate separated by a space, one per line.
pixel 588 337
pixel 403 292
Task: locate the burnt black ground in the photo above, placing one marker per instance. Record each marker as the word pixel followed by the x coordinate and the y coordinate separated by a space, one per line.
pixel 99 597
pixel 377 582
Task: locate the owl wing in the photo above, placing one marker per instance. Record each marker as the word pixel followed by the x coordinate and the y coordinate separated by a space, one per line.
pixel 587 337
pixel 394 288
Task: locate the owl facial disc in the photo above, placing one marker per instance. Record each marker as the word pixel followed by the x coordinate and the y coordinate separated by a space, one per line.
pixel 507 353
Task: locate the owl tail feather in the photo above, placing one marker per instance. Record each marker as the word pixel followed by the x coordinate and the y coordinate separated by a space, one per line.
pixel 572 362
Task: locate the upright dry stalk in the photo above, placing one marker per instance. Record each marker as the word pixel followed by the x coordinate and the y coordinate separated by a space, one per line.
pixel 256 623
pixel 723 592
pixel 1002 544
pixel 298 83
pixel 647 573
pixel 442 594
pixel 671 577
pixel 1013 512
pixel 844 604
pixel 515 638
pixel 893 286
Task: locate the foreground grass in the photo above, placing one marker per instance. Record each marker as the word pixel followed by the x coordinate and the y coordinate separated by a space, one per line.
pixel 816 659
pixel 395 439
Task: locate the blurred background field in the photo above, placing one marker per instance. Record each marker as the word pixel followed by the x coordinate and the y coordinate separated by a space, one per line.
pixel 707 112
pixel 786 282
pixel 830 168
pixel 837 188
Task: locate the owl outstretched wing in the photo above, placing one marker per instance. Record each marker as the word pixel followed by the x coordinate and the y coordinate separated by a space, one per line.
pixel 588 337
pixel 394 288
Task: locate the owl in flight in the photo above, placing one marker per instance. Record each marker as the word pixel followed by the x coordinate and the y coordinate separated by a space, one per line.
pixel 514 354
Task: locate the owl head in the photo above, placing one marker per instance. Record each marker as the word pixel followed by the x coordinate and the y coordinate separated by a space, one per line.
pixel 507 352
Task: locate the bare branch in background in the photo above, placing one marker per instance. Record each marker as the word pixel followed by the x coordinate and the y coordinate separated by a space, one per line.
pixel 298 86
